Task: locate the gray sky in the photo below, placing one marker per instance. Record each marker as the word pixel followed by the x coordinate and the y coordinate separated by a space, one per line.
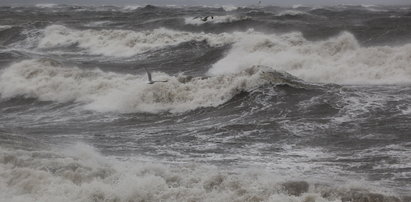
pixel 208 2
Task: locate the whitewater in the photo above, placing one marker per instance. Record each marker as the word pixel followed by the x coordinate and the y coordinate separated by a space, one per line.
pixel 261 103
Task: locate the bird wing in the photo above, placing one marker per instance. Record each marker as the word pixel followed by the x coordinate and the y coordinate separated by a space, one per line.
pixel 148 75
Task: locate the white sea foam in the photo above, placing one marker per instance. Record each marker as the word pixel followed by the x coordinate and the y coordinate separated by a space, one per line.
pixel 374 8
pixel 80 173
pixel 229 8
pixel 297 6
pixel 368 5
pixel 406 111
pixel 122 43
pixel 47 80
pixel 98 23
pixel 357 104
pixel 132 7
pixel 292 13
pixel 4 27
pixel 46 5
pixel 216 20
pixel 339 59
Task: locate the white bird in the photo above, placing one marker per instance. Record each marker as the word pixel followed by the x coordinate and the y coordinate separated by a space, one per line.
pixel 150 81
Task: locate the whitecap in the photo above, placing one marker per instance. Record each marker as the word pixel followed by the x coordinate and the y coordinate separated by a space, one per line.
pixel 215 19
pixel 132 7
pixel 48 80
pixel 4 27
pixel 46 5
pixel 339 59
pixel 291 13
pixel 229 8
pixel 121 43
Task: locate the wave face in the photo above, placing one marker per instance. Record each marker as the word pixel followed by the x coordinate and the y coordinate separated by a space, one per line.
pixel 258 103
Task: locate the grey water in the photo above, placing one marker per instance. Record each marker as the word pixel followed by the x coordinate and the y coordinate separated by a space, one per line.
pixel 261 103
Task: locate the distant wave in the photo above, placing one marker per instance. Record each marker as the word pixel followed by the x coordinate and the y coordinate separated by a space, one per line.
pixel 229 7
pixel 297 6
pixel 217 19
pixel 121 43
pixel 98 23
pixel 4 27
pixel 46 5
pixel 292 13
pixel 132 7
pixel 368 5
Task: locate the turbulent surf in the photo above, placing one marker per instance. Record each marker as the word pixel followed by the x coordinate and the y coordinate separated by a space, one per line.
pixel 260 104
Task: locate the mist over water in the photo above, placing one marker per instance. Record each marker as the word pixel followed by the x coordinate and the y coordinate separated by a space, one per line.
pixel 260 104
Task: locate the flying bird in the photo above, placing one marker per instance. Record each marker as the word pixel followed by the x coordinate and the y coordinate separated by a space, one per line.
pixel 150 80
pixel 205 18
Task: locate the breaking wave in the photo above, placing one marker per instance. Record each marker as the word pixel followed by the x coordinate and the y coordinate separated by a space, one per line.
pixel 121 43
pixel 4 27
pixel 229 8
pixel 132 7
pixel 215 20
pixel 46 5
pixel 47 80
pixel 80 173
pixel 292 13
pixel 339 59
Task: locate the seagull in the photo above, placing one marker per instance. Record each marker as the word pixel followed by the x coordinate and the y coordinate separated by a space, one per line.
pixel 150 81
pixel 204 18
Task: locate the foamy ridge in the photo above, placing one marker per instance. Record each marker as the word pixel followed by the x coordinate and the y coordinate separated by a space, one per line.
pixel 80 173
pixel 122 43
pixel 292 13
pixel 339 59
pixel 229 8
pixel 216 20
pixel 132 7
pixel 47 80
pixel 46 5
pixel 4 27
pixel 297 6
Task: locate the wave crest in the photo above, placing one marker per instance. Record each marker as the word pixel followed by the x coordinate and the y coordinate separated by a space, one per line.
pixel 216 20
pixel 48 80
pixel 339 59
pixel 121 43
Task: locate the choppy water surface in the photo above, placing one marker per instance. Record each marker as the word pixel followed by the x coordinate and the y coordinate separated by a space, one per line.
pixel 261 104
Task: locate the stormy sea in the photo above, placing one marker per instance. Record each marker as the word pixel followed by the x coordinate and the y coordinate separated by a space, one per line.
pixel 281 104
